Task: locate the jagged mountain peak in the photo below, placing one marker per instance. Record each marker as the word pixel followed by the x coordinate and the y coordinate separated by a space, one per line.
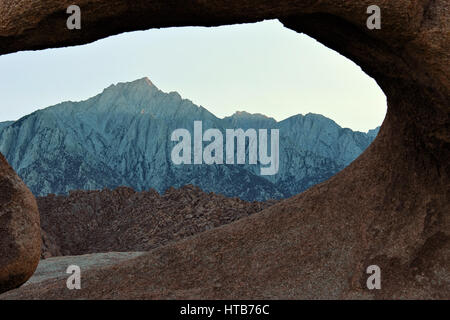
pixel 373 132
pixel 142 82
pixel 246 120
pixel 145 82
pixel 245 114
pixel 139 97
pixel 312 119
pixel 122 136
pixel 141 85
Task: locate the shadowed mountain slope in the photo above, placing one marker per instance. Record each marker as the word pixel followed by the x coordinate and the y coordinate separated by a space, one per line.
pixel 122 137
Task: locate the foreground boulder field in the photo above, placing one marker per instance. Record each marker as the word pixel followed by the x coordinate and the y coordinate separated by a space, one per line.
pixel 389 208
pixel 20 246
pixel 124 220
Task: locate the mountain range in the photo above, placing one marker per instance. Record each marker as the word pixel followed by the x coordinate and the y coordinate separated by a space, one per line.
pixel 121 137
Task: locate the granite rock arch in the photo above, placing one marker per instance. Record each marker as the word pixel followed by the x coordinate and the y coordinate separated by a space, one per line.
pixel 390 207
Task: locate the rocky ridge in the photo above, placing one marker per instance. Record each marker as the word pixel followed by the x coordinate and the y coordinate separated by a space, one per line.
pixel 121 137
pixel 122 220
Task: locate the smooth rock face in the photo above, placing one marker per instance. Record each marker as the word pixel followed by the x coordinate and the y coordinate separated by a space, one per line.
pixel 390 207
pixel 20 240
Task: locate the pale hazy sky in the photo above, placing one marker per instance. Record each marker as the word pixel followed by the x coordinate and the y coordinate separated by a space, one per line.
pixel 258 68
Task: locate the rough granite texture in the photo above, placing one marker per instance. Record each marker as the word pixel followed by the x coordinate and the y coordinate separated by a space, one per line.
pixel 390 207
pixel 125 220
pixel 20 245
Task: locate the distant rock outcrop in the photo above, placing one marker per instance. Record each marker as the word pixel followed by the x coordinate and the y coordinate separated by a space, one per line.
pixel 19 230
pixel 122 137
pixel 122 220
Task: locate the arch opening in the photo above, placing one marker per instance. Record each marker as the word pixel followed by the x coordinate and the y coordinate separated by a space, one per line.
pixel 251 77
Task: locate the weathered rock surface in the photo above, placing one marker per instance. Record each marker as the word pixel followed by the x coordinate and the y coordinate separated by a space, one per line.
pixel 390 207
pixel 20 243
pixel 125 220
pixel 56 267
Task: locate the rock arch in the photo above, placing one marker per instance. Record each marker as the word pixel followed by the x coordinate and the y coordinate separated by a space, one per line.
pixel 390 207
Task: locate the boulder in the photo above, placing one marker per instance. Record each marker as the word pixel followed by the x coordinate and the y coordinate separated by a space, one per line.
pixel 20 239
